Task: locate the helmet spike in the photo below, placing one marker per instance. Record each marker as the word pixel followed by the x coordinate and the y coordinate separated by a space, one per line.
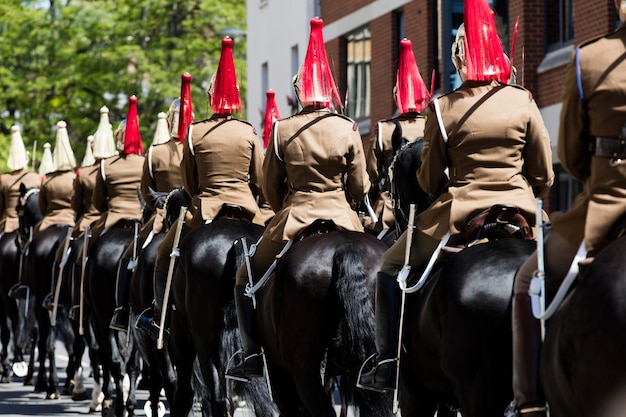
pixel 132 137
pixel 412 95
pixel 225 96
pixel 185 117
pixel 314 82
pixel 485 59
pixel 271 114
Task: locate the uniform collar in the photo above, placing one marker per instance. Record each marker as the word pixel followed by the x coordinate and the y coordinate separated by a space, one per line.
pixel 312 109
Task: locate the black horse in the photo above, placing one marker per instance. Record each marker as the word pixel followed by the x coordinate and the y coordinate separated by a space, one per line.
pixel 13 329
pixel 204 323
pixel 315 317
pixel 38 269
pixel 457 350
pixel 157 361
pixel 100 280
pixel 583 367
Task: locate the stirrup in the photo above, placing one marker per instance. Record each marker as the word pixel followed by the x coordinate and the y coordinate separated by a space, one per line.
pixel 229 366
pixel 74 313
pixel 372 369
pixel 120 319
pixel 19 291
pixel 48 302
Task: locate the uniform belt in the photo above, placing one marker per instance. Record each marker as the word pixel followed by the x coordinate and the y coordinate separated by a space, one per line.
pixel 610 147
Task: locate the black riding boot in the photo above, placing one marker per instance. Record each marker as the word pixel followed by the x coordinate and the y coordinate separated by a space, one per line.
pixel 383 374
pixel 529 397
pixel 252 364
pixel 150 318
pixel 119 321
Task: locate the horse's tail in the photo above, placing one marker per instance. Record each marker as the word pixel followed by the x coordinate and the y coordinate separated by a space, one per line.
pixel 255 393
pixel 357 312
pixel 357 326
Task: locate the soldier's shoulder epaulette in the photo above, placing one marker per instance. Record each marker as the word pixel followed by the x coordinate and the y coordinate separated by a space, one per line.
pixel 355 125
pixel 592 40
pixel 245 122
pixel 519 87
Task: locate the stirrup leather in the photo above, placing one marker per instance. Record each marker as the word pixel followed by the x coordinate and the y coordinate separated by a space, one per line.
pixel 535 409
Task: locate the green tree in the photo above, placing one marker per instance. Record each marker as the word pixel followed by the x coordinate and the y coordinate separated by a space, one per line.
pixel 63 60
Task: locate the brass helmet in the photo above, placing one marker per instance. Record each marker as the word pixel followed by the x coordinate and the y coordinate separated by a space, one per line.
pixel 173 114
pixel 458 52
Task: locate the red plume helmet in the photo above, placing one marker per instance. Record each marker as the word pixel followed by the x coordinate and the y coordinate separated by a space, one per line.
pixel 271 114
pixel 225 98
pixel 412 95
pixel 316 82
pixel 185 116
pixel 484 56
pixel 132 138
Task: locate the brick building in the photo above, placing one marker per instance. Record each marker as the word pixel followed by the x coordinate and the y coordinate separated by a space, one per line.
pixel 362 39
pixel 360 30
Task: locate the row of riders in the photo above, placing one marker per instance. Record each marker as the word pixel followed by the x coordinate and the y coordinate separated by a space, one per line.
pixel 480 146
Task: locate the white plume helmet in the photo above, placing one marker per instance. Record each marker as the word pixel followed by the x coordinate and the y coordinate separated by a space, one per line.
pixel 103 142
pixel 47 163
pixel 64 158
pixel 89 159
pixel 18 157
pixel 161 133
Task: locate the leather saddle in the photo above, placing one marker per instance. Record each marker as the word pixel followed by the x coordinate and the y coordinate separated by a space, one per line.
pixel 124 224
pixel 500 221
pixel 318 227
pixel 233 212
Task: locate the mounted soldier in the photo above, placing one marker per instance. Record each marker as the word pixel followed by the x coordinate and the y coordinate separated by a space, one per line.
pixel 221 167
pixel 101 147
pixel 485 144
pixel 115 192
pixel 57 187
pixel 590 147
pixel 161 174
pixel 10 182
pixel 411 97
pixel 314 158
pixel 56 192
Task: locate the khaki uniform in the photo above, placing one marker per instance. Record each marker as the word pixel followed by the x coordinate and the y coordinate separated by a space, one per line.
pixel 115 193
pixel 221 165
pixel 601 112
pixel 82 204
pixel 379 158
pixel 498 152
pixel 10 193
pixel 161 173
pixel 304 168
pixel 55 200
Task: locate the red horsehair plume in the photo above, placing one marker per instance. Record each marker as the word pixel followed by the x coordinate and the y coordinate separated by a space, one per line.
pixel 225 99
pixel 271 114
pixel 132 137
pixel 412 95
pixel 484 56
pixel 185 116
pixel 316 80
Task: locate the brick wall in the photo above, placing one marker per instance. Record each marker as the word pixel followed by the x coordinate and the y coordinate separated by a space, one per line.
pixel 383 66
pixel 334 10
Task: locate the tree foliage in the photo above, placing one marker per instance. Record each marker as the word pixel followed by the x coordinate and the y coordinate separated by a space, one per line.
pixel 63 60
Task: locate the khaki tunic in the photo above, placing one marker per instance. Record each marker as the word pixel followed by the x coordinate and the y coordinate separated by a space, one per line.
pixel 603 200
pixel 498 152
pixel 379 158
pixel 82 204
pixel 10 194
pixel 306 161
pixel 222 165
pixel 55 200
pixel 115 193
pixel 161 173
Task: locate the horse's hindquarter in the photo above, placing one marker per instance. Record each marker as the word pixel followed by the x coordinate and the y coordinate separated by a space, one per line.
pixel 583 362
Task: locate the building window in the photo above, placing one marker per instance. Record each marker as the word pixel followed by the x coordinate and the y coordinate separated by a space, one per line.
pixel 358 59
pixel 265 83
pixel 559 23
pixel 292 100
pixel 565 189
